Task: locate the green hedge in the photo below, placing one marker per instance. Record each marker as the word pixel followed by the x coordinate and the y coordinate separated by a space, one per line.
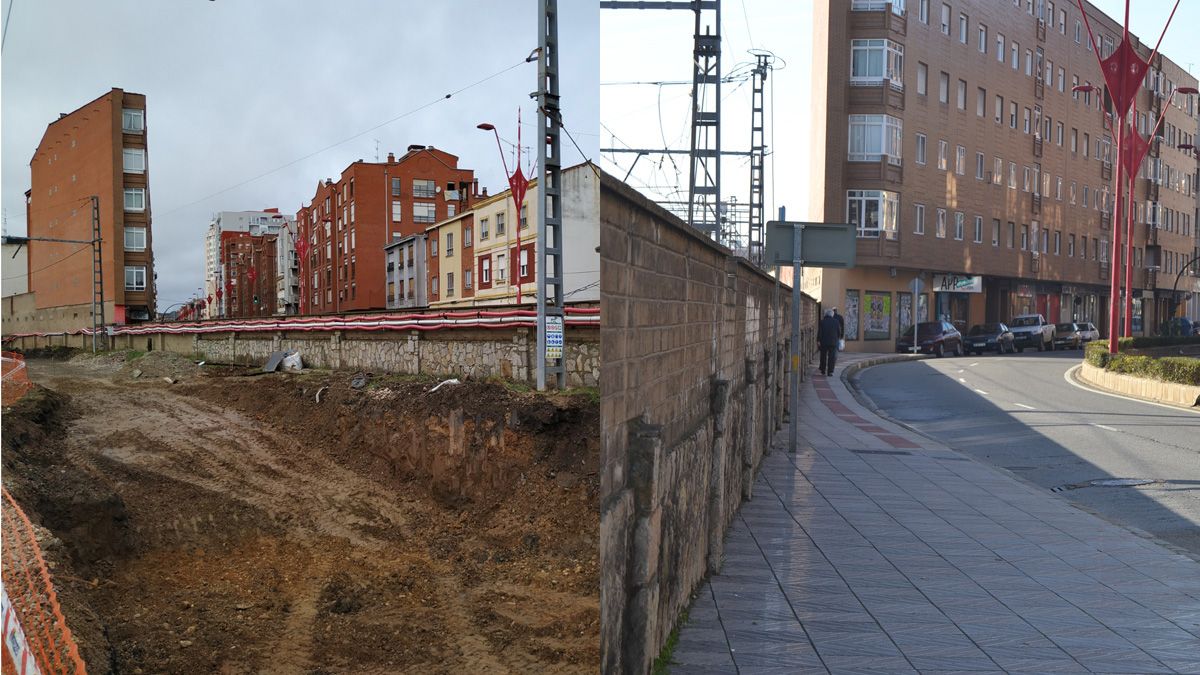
pixel 1157 341
pixel 1177 369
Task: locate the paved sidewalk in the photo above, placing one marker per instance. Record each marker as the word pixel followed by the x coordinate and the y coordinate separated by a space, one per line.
pixel 873 549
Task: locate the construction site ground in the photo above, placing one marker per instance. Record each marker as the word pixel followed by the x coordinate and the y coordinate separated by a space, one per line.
pixel 205 519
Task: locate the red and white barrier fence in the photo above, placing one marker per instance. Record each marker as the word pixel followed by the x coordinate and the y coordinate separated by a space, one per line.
pixel 425 321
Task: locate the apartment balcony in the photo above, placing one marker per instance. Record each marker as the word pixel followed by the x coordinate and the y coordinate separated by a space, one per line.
pixel 1035 262
pixel 1150 279
pixel 1102 269
pixel 1039 88
pixel 1155 147
pixel 1151 235
pixel 1037 203
pixel 1041 30
pixel 1105 221
pixel 1037 145
pixel 1151 190
pixel 869 96
pixel 887 170
pixel 872 16
pixel 1106 170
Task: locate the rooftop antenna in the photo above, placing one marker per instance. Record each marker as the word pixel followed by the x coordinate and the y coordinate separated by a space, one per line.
pixel 376 149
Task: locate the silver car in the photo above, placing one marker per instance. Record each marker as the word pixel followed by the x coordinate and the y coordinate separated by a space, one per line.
pixel 1074 335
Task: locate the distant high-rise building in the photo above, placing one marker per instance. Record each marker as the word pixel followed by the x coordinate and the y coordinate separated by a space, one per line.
pixel 344 229
pixel 259 224
pixel 99 150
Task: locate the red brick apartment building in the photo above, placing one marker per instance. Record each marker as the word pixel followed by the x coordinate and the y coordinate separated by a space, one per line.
pixel 349 221
pixel 248 261
pixel 948 134
pixel 99 149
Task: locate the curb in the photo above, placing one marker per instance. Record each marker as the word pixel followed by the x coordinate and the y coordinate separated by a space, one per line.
pixel 1075 375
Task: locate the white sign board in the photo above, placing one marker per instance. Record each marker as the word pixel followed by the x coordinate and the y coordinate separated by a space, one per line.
pixel 957 283
pixel 554 337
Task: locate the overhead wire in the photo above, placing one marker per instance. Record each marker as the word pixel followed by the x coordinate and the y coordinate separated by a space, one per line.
pixel 82 247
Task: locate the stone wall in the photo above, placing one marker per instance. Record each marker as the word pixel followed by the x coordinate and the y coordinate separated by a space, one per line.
pixel 694 345
pixel 476 353
pixel 1171 393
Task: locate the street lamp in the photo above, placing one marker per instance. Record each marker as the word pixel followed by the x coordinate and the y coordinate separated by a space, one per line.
pixel 518 184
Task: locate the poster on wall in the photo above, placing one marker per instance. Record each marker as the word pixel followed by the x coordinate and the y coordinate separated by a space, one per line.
pixel 922 308
pixel 877 319
pixel 851 315
pixel 905 313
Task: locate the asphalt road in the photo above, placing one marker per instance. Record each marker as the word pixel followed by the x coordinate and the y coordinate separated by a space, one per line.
pixel 1019 412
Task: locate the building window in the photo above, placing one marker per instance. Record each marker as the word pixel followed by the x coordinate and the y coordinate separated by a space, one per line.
pixel 919 219
pixel 133 121
pixel 978 229
pixel 467 279
pixel 433 286
pixel 501 268
pixel 524 262
pixel 1062 80
pixel 958 225
pixel 485 270
pixel 945 19
pixel 999 109
pixel 962 94
pixel 1029 63
pixel 981 102
pixel 922 78
pixel 1057 188
pixel 524 216
pixel 135 199
pixel 1057 242
pixel 1078 31
pixel 449 244
pixel 960 161
pixel 940 232
pixel 923 11
pixel 424 213
pixel 1014 52
pixel 395 187
pixel 433 247
pixel 942 155
pixel 897 6
pixel 449 284
pixel 873 137
pixel 1026 121
pixel 997 170
pixel 1026 181
pixel 963 24
pixel 134 160
pixel 1012 175
pixel 483 229
pixel 995 231
pixel 944 87
pixel 983 39
pixel 467 237
pixel 1024 237
pixel 873 212
pixel 1012 230
pixel 872 61
pixel 920 148
pixel 424 188
pixel 135 278
pixel 135 239
pixel 1070 246
pixel 397 211
pixel 1000 47
pixel 979 164
pixel 499 223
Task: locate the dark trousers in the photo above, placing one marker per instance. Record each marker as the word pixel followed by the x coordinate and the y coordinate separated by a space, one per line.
pixel 828 359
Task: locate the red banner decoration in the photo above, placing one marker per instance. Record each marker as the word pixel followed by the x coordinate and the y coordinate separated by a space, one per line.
pixel 252 274
pixel 1123 73
pixel 1133 153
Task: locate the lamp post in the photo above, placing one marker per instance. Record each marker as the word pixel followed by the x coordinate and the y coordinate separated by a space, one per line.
pixel 518 184
pixel 1123 71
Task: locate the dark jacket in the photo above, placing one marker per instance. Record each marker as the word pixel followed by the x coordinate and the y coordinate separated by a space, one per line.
pixel 841 324
pixel 828 331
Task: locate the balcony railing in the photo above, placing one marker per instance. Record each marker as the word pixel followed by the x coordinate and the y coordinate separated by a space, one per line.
pixel 1041 30
pixel 1039 89
pixel 1037 145
pixel 1106 170
pixel 896 6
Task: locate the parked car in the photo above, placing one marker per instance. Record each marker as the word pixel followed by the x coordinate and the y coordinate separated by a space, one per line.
pixel 1179 325
pixel 1074 335
pixel 1032 330
pixel 991 337
pixel 933 337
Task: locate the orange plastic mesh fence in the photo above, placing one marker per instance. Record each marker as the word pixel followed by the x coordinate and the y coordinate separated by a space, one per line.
pixel 16 377
pixel 29 588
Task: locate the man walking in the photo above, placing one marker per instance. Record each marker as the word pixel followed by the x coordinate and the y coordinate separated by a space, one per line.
pixel 828 332
pixel 841 324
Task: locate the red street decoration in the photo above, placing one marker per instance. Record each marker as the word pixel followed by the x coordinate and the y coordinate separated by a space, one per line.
pixel 252 274
pixel 209 300
pixel 1123 72
pixel 219 294
pixel 1133 151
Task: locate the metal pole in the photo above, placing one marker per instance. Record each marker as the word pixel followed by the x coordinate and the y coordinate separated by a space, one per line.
pixel 1132 180
pixel 1114 297
pixel 797 266
pixel 97 275
pixel 550 225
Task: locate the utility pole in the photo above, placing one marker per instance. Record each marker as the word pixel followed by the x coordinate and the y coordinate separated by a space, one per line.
pixel 97 275
pixel 704 178
pixel 550 317
pixel 758 158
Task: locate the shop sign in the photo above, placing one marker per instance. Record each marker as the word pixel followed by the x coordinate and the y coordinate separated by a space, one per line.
pixel 955 283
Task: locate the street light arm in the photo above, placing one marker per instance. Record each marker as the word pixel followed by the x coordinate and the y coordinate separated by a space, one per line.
pixel 1161 35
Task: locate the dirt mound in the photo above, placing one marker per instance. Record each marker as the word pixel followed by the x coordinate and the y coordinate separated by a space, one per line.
pixel 384 529
pixel 157 365
pixel 57 352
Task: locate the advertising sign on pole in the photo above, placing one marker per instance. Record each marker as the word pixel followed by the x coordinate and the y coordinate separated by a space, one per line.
pixel 554 337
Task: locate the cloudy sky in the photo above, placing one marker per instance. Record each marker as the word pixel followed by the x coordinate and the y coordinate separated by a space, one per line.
pixel 640 49
pixel 241 88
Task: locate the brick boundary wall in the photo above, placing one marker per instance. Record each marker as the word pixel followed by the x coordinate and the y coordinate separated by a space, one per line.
pixel 694 345
pixel 452 352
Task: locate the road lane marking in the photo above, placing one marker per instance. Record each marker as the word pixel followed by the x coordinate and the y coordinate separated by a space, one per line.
pixel 962 380
pixel 980 391
pixel 1027 407
pixel 972 365
pixel 1104 427
pixel 961 370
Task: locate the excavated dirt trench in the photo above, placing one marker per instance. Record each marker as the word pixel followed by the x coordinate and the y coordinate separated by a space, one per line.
pixel 234 524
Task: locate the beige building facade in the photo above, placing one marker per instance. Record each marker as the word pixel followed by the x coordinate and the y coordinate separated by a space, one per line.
pixel 950 137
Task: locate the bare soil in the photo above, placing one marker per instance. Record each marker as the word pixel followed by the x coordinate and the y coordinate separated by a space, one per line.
pixel 230 523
